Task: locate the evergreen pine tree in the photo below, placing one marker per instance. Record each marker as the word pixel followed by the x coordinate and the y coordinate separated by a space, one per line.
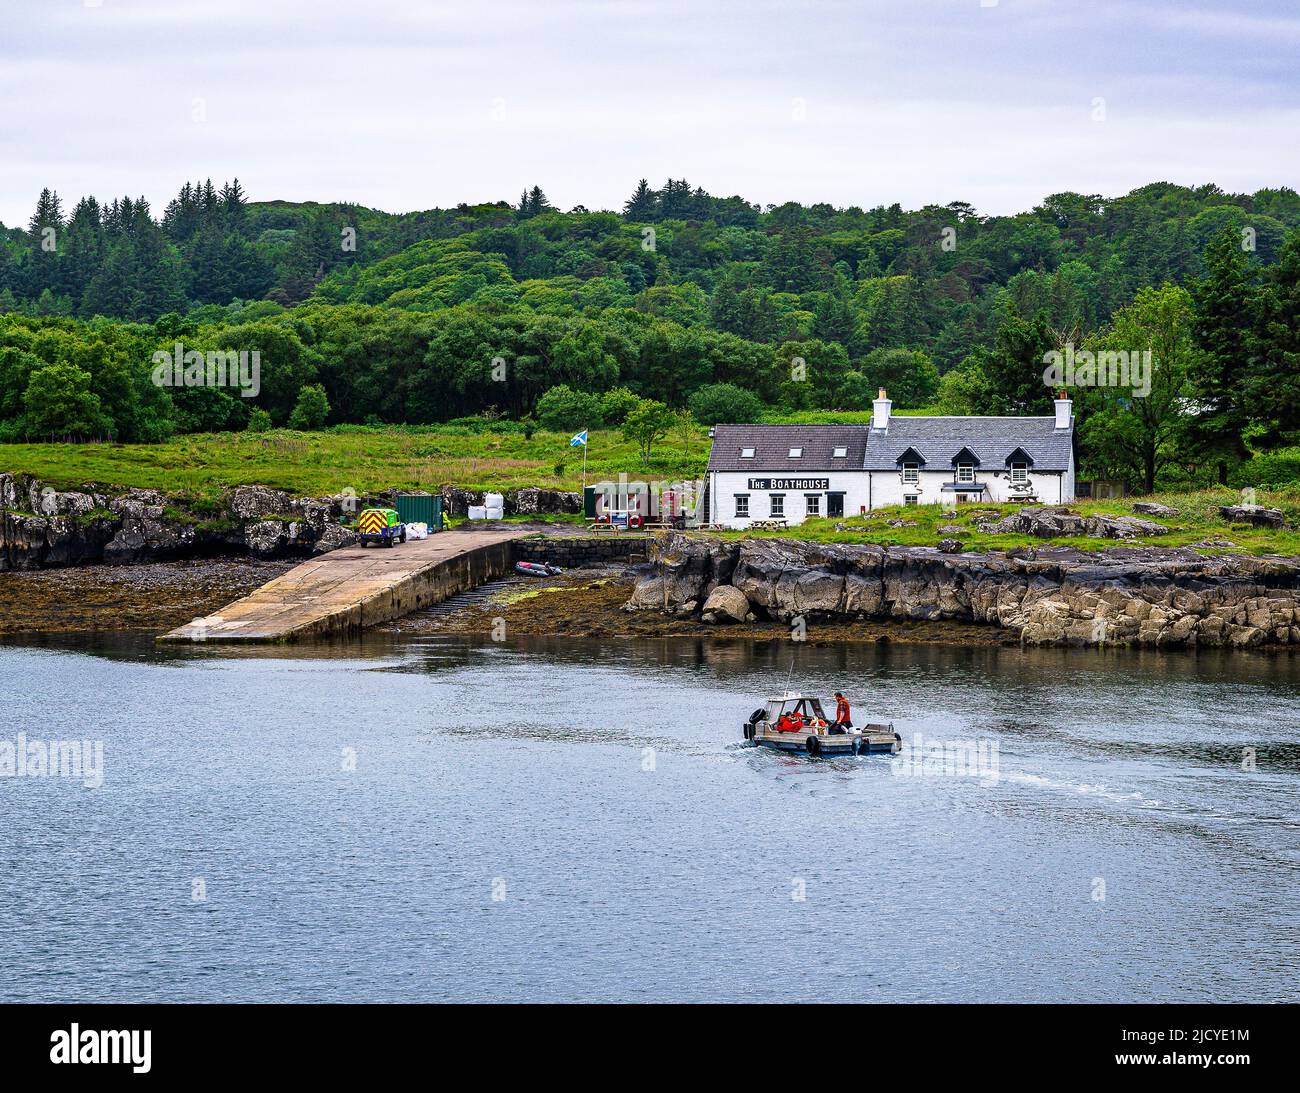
pixel 1225 308
pixel 1273 388
pixel 643 205
pixel 44 234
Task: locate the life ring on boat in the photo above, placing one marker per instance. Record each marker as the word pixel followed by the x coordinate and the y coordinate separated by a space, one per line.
pixel 814 745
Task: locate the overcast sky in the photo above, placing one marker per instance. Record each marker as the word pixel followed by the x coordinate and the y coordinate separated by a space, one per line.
pixel 410 105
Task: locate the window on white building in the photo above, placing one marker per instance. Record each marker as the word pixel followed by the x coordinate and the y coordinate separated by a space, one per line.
pixel 796 453
pixel 742 505
pixel 1019 472
pixel 965 472
pixel 840 453
pixel 814 504
pixel 746 453
pixel 778 505
pixel 910 499
pixel 911 473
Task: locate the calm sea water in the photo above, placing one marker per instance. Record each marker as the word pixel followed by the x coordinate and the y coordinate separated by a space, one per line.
pixel 558 820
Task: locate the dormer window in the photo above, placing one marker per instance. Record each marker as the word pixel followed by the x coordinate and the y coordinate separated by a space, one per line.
pixel 796 453
pixel 840 453
pixel 911 474
pixel 965 472
pixel 1019 473
pixel 746 453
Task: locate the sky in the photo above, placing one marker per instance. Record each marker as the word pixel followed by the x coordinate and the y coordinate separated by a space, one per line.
pixel 410 105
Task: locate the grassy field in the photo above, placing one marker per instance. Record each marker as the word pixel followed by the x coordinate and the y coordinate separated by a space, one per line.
pixel 1198 521
pixel 199 467
pixel 315 464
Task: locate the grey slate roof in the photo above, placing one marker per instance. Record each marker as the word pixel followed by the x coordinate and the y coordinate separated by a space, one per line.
pixel 772 444
pixel 992 439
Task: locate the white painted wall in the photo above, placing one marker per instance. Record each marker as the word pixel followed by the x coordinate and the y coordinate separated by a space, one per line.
pixel 864 490
pixel 727 484
pixel 887 488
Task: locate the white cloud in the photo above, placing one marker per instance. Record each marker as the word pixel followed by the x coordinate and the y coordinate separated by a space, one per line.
pixel 404 106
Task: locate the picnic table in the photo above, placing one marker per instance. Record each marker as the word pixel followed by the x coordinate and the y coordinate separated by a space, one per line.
pixel 768 525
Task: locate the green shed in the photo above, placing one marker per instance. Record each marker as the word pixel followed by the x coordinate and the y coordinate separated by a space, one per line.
pixel 420 508
pixel 589 502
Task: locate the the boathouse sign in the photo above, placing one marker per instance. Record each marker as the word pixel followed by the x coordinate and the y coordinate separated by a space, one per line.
pixel 789 483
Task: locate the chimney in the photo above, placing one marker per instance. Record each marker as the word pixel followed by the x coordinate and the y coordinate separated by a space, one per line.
pixel 1064 411
pixel 880 412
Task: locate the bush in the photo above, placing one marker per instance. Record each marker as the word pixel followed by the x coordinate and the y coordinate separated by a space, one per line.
pixel 1276 468
pixel 725 402
pixel 58 400
pixel 616 404
pixel 908 375
pixel 563 409
pixel 259 421
pixel 478 425
pixel 311 409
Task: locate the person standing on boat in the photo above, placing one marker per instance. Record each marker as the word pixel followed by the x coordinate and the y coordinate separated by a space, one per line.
pixel 842 722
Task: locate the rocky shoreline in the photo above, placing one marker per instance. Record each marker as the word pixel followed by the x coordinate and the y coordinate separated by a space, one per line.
pixel 1140 596
pixel 148 598
pixel 587 603
pixel 41 527
pixel 761 587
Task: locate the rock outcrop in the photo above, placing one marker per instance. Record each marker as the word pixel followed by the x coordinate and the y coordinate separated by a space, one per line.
pixel 526 501
pixel 42 527
pixel 529 500
pixel 1047 595
pixel 1259 515
pixel 1153 508
pixel 1058 521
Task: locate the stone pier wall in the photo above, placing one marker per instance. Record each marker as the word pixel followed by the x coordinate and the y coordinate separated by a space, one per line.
pixel 588 550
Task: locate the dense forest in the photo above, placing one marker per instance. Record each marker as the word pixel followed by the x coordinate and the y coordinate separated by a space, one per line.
pixel 517 315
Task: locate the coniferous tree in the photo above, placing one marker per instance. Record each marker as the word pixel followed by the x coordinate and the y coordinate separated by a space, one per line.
pixel 642 205
pixel 1273 389
pixel 233 210
pixel 1225 312
pixel 84 248
pixel 43 235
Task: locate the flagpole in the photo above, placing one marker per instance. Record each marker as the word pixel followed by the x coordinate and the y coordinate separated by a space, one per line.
pixel 586 441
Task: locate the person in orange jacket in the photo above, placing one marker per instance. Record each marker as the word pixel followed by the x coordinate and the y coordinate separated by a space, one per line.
pixel 842 721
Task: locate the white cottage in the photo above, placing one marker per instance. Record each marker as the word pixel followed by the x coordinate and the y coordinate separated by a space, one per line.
pixel 791 472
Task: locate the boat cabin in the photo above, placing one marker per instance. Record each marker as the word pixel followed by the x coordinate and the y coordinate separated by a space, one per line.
pixel 807 707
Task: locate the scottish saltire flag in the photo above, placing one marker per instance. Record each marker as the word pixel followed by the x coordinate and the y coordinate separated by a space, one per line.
pixel 579 441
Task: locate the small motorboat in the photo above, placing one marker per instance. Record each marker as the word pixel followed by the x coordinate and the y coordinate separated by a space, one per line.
pixel 537 569
pixel 795 722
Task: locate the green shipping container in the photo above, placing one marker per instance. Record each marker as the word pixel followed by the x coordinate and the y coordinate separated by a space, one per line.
pixel 420 508
pixel 589 502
